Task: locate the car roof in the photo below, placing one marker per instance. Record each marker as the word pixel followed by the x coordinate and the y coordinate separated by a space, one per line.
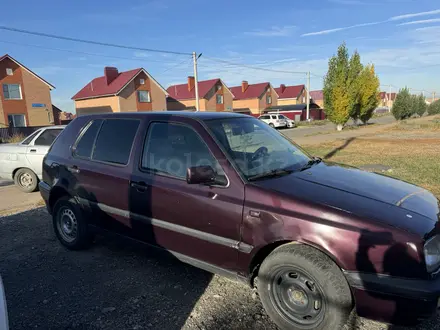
pixel 198 115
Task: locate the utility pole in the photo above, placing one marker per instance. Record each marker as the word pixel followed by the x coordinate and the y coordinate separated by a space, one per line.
pixel 389 100
pixel 433 96
pixel 308 97
pixel 196 80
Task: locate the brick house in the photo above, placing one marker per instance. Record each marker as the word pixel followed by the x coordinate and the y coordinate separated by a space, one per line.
pixel 386 99
pixel 214 95
pixel 134 90
pixel 25 97
pixel 290 95
pixel 253 99
pixel 317 97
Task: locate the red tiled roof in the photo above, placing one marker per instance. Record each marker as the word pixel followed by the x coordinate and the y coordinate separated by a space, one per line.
pixel 317 95
pixel 252 92
pixel 384 95
pixel 181 92
pixel 290 92
pixel 98 86
pixel 18 63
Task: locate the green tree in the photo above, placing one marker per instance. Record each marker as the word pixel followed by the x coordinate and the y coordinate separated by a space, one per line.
pixel 354 85
pixel 434 108
pixel 368 93
pixel 337 100
pixel 403 104
pixel 420 105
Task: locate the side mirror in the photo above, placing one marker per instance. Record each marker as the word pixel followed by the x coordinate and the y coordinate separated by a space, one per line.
pixel 200 175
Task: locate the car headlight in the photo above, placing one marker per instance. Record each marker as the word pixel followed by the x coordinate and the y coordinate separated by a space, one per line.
pixel 432 253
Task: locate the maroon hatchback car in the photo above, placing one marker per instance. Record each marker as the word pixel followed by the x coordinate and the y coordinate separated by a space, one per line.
pixel 228 194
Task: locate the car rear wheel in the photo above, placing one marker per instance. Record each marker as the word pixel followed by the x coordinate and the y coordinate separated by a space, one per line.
pixel 301 288
pixel 26 180
pixel 272 125
pixel 70 225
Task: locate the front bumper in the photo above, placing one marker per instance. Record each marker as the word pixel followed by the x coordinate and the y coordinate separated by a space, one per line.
pixel 45 193
pixel 393 299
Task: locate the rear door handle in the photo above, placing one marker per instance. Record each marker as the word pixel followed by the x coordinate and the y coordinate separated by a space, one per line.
pixel 139 186
pixel 33 150
pixel 73 169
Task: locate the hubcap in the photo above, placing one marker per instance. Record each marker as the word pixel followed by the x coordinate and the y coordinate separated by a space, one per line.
pixel 26 180
pixel 298 298
pixel 67 224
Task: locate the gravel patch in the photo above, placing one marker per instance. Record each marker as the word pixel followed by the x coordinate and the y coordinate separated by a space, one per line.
pixel 118 284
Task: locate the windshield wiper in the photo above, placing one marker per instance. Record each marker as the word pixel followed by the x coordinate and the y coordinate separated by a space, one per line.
pixel 310 163
pixel 270 174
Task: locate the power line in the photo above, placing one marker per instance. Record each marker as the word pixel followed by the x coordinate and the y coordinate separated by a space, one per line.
pixel 84 53
pixel 250 66
pixel 174 66
pixel 54 36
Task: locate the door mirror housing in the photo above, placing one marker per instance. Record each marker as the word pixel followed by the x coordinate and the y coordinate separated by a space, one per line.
pixel 204 174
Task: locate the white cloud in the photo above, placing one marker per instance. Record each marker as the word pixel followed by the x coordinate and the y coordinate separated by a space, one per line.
pixel 393 18
pixel 425 13
pixel 339 29
pixel 426 21
pixel 274 31
pixel 141 54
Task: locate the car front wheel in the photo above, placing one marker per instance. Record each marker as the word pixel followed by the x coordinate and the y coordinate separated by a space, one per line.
pixel 301 288
pixel 70 225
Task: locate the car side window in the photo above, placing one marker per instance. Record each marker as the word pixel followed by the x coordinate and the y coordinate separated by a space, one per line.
pixel 47 137
pixel 171 149
pixel 115 141
pixel 84 145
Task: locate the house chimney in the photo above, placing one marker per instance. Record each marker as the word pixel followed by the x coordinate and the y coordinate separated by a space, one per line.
pixel 283 88
pixel 110 74
pixel 244 86
pixel 190 83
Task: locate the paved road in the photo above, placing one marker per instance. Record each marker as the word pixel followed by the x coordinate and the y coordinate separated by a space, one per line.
pixel 300 132
pixel 13 200
pixel 118 284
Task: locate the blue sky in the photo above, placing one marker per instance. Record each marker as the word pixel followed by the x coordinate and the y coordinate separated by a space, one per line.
pixel 401 37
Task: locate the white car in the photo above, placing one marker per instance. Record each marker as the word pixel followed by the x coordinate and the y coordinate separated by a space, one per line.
pixel 4 324
pixel 274 120
pixel 22 162
pixel 290 122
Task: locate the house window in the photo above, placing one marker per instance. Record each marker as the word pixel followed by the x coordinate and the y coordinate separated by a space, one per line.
pixel 9 71
pixel 12 91
pixel 219 87
pixel 304 99
pixel 142 81
pixel 144 96
pixel 219 99
pixel 16 121
pixel 268 99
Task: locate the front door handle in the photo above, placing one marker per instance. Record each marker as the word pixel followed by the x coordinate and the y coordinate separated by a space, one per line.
pixel 139 186
pixel 73 169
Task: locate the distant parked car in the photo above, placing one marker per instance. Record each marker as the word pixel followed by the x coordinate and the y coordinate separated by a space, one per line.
pixel 4 324
pixel 22 162
pixel 275 121
pixel 290 122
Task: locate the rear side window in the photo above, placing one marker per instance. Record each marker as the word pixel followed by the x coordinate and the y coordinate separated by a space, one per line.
pixel 47 137
pixel 115 140
pixel 84 146
pixel 30 138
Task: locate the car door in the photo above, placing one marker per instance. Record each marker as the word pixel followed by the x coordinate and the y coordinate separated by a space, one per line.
pixel 99 170
pixel 37 149
pixel 198 221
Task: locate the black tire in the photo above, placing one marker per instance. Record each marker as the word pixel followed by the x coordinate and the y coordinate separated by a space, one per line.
pixel 322 302
pixel 26 180
pixel 67 210
pixel 272 125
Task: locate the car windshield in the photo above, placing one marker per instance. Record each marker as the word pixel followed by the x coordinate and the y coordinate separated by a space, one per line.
pixel 255 148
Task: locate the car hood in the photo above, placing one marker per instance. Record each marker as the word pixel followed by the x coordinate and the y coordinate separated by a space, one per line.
pixel 356 191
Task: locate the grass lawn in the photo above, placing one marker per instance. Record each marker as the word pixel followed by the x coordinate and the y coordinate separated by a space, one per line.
pixel 411 150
